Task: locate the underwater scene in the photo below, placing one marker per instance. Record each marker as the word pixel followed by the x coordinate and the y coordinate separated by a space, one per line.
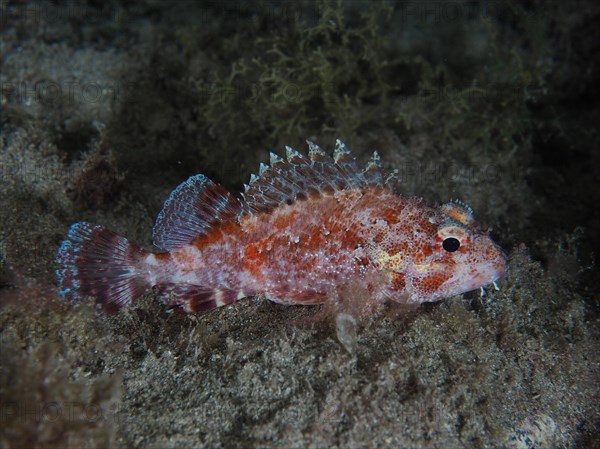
pixel 290 224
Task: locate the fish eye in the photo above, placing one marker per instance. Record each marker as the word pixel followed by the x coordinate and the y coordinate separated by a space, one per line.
pixel 450 244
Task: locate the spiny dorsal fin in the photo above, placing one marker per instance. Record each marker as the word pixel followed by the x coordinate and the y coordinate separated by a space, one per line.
pixel 300 177
pixel 373 171
pixel 191 210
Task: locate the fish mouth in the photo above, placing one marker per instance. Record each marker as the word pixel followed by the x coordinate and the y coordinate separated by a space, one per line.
pixel 484 276
pixel 488 275
pixel 490 284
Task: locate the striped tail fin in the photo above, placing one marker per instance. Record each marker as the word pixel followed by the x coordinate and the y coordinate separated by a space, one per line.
pixel 97 262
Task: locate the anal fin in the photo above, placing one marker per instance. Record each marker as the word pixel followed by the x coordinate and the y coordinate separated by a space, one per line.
pixel 196 298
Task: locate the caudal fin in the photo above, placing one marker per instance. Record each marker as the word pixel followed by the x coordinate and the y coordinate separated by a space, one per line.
pixel 97 262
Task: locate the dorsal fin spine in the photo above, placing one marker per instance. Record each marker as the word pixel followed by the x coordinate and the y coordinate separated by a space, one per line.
pixel 340 150
pixel 274 159
pixel 372 171
pixel 315 152
pixel 284 180
pixel 291 154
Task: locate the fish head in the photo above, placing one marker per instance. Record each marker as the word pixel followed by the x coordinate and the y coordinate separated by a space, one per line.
pixel 439 252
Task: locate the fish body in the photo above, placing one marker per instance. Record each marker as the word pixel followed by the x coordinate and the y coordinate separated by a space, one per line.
pixel 305 229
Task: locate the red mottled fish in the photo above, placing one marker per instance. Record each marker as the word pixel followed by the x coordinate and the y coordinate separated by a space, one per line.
pixel 305 229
